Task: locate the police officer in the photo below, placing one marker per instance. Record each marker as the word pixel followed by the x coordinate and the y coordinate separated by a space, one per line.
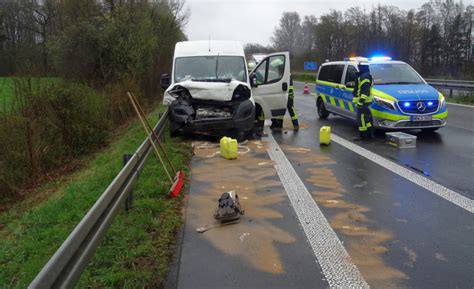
pixel 363 99
pixel 278 122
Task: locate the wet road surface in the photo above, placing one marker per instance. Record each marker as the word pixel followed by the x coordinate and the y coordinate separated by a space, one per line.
pixel 397 234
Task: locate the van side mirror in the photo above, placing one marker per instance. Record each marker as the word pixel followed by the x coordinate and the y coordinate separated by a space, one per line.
pixel 350 84
pixel 253 80
pixel 165 81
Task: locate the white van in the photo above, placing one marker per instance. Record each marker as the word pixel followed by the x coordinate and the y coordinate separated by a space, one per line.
pixel 210 92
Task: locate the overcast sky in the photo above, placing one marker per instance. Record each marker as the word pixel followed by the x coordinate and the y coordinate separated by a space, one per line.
pixel 255 20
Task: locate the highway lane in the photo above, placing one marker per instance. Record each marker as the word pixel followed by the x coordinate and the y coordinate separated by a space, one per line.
pixel 446 156
pixel 399 234
pixel 396 233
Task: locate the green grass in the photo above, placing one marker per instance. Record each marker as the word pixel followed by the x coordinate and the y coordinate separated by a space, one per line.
pixel 6 92
pixel 466 99
pixel 304 77
pixel 138 247
pixel 7 89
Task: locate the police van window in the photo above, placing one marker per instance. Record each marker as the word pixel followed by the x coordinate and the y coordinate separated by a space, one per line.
pixel 324 73
pixel 336 73
pixel 276 68
pixel 351 73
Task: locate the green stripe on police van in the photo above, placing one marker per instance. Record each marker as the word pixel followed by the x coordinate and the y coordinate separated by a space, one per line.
pixel 333 101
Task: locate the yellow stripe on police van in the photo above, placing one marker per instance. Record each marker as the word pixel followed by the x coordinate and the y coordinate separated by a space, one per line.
pixel 351 108
pixel 323 97
pixel 341 103
pixel 333 101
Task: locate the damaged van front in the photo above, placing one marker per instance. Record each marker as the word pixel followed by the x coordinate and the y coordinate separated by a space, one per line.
pixel 209 91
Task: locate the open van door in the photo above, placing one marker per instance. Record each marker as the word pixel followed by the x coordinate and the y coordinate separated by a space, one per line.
pixel 270 81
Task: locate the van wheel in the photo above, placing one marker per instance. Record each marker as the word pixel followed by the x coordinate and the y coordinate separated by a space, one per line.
pixel 431 129
pixel 322 112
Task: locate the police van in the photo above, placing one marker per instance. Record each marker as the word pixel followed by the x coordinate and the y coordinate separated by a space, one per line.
pixel 402 98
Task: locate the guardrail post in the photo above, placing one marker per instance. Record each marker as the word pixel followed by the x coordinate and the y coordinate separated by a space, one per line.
pixel 129 199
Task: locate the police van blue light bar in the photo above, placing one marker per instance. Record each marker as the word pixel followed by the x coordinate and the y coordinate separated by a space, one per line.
pixel 380 58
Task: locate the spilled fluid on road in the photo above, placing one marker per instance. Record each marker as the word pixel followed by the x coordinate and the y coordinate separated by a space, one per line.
pixel 255 181
pixel 365 244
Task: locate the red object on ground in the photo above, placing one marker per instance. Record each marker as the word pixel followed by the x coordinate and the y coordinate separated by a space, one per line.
pixel 177 185
pixel 306 88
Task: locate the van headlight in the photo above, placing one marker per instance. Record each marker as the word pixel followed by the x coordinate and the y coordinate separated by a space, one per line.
pixel 385 102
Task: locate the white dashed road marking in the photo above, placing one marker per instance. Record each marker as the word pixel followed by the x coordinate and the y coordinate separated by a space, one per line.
pixel 437 189
pixel 333 258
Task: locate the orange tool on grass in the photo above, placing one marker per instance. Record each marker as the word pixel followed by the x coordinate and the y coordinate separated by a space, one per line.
pixel 177 182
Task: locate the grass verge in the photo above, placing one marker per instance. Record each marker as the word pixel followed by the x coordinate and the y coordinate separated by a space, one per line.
pixel 6 92
pixel 465 99
pixel 137 249
pixel 304 77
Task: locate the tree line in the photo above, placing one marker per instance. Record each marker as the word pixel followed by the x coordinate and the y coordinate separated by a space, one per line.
pixel 437 38
pixel 70 65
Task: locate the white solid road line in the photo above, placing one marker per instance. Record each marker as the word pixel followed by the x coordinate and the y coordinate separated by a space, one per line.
pixel 333 258
pixel 437 189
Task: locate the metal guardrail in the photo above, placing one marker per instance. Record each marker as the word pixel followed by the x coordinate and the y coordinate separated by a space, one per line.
pixel 64 268
pixel 463 85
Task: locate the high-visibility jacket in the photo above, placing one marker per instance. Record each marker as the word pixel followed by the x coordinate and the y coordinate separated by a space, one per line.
pixel 362 90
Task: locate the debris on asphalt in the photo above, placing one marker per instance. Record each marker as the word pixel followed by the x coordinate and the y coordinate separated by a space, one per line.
pixel 229 208
pixel 213 226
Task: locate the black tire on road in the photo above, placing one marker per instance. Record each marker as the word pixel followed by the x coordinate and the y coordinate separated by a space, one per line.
pixel 322 112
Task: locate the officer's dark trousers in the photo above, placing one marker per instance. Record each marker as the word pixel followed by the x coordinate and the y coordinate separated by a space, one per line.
pixel 364 121
pixel 278 122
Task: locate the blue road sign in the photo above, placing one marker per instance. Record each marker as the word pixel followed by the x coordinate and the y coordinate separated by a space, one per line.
pixel 310 66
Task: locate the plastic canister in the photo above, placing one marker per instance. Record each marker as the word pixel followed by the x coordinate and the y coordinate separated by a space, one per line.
pixel 228 148
pixel 325 135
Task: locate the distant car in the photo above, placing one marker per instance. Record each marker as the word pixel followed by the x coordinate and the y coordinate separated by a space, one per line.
pixel 210 90
pixel 402 98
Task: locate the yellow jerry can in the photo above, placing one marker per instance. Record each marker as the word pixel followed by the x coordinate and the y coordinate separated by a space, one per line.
pixel 325 135
pixel 229 148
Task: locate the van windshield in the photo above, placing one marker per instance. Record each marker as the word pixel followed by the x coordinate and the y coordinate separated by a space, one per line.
pixel 394 73
pixel 210 68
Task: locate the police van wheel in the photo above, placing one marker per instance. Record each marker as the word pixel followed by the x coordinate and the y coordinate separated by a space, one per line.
pixel 322 112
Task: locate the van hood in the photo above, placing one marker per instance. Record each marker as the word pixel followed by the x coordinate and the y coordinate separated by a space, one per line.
pixel 220 91
pixel 406 92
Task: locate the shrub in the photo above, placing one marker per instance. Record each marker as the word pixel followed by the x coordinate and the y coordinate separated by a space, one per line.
pixel 51 121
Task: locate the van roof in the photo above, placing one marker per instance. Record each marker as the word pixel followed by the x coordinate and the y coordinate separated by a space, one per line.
pixel 208 48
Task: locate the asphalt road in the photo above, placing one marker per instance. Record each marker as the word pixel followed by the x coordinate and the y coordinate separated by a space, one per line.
pixel 321 216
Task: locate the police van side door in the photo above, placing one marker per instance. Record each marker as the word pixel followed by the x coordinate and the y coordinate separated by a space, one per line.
pixel 350 76
pixel 270 81
pixel 329 85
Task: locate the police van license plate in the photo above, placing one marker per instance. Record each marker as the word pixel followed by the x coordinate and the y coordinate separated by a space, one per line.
pixel 421 118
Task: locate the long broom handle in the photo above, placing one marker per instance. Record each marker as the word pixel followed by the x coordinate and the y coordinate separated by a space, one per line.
pixel 154 133
pixel 150 138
